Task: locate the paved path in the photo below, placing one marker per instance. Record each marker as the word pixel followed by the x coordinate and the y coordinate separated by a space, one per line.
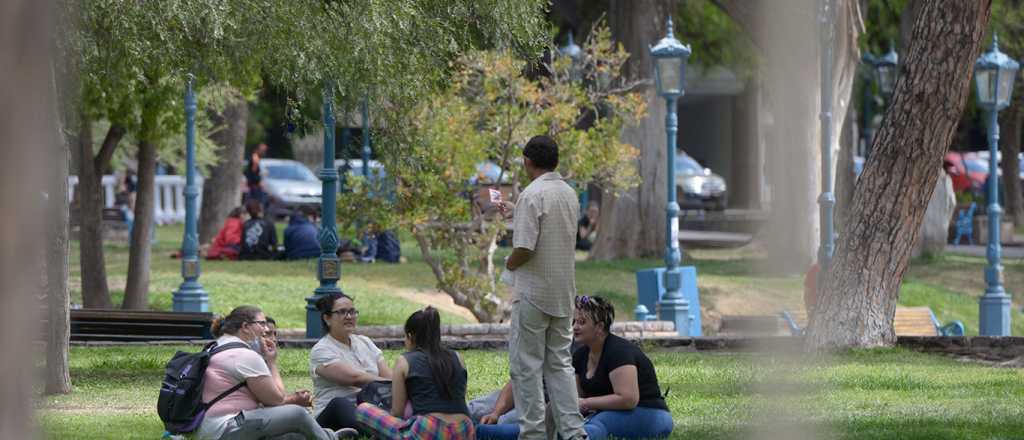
pixel 1011 252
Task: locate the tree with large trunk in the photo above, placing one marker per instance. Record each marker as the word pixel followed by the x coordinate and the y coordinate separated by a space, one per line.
pixel 222 188
pixel 857 299
pixel 1008 20
pixel 635 219
pixel 89 194
pixel 29 140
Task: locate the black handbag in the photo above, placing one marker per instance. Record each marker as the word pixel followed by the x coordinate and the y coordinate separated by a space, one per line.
pixel 377 393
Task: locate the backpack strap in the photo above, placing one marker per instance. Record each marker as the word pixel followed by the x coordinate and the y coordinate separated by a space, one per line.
pixel 214 349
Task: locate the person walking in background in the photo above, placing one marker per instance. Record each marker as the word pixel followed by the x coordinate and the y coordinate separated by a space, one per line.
pixel 254 174
pixel 586 234
pixel 259 238
pixel 544 283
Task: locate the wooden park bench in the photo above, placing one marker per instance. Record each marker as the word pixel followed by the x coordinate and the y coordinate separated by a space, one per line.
pixel 138 325
pixel 909 321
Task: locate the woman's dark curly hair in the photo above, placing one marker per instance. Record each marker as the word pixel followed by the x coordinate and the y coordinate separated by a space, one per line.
pixel 598 310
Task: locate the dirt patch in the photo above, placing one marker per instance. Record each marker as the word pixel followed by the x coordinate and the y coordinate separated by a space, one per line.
pixel 434 298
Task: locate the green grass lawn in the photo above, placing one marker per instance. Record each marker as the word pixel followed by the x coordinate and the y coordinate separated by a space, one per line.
pixel 873 394
pixel 730 282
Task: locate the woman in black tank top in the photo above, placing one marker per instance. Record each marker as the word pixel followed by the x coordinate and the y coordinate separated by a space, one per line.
pixel 432 379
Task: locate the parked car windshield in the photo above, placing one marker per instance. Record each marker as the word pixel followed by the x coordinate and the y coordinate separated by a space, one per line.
pixel 687 165
pixel 290 172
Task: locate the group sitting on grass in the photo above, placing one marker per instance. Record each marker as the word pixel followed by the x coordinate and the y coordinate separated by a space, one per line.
pixel 619 394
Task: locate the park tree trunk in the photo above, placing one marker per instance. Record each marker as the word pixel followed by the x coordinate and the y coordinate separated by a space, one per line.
pixel 781 30
pixel 55 275
pixel 1010 138
pixel 633 223
pixel 95 292
pixel 222 189
pixel 858 295
pixel 26 136
pixel 136 290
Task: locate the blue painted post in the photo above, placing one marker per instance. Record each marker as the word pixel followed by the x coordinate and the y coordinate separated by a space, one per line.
pixel 994 74
pixel 190 296
pixel 826 200
pixel 366 140
pixel 670 62
pixel 328 269
pixel 995 303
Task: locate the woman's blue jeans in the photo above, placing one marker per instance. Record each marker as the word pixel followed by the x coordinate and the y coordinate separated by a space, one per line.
pixel 638 423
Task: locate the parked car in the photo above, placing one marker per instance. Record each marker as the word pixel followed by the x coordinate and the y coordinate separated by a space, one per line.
pixel 697 187
pixel 290 185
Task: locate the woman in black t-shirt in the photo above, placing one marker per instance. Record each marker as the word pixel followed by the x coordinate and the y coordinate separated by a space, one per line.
pixel 617 384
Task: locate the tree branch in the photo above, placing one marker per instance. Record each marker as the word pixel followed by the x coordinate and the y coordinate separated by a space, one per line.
pixel 110 141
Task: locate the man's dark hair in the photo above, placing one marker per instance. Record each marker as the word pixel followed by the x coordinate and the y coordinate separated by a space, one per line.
pixel 254 207
pixel 308 211
pixel 543 152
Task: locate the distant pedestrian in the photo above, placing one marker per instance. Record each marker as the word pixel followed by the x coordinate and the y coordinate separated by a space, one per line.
pixel 254 174
pixel 544 281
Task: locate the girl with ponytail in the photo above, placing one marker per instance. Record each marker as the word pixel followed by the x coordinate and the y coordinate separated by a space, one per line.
pixel 432 379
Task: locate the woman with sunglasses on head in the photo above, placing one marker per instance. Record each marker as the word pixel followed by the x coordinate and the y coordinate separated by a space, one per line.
pixel 341 363
pixel 254 403
pixel 618 387
pixel 432 379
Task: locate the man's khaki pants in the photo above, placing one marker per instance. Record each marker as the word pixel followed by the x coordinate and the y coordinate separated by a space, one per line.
pixel 539 343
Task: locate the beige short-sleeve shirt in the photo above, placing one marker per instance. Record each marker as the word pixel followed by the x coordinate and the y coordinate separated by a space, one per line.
pixel 362 355
pixel 544 221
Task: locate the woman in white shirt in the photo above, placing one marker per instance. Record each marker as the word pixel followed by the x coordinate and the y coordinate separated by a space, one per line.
pixel 260 407
pixel 341 363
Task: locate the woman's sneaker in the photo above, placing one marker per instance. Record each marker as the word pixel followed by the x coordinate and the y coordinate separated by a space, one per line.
pixel 346 433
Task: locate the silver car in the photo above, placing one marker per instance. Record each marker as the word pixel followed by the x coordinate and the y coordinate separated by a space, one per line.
pixel 697 187
pixel 290 185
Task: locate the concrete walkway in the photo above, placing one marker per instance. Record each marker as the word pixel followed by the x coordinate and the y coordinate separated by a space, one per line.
pixel 1009 252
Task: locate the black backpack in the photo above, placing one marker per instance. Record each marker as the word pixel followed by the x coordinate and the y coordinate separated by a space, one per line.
pixel 180 405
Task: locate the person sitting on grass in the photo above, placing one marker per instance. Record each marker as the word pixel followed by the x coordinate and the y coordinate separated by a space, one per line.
pixel 259 238
pixel 261 408
pixel 430 377
pixel 271 333
pixel 618 386
pixel 300 237
pixel 228 242
pixel 341 363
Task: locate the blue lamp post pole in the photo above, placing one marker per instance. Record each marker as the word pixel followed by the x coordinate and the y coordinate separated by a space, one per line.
pixel 328 269
pixel 669 65
pixel 994 74
pixel 190 296
pixel 826 200
pixel 366 139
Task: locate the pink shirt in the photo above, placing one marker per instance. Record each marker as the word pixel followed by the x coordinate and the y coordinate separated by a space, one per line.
pixel 226 370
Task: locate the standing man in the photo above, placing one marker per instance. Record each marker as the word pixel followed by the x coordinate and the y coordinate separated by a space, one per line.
pixel 253 174
pixel 544 271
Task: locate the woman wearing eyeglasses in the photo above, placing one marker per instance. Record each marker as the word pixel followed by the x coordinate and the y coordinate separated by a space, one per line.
pixel 341 363
pixel 244 385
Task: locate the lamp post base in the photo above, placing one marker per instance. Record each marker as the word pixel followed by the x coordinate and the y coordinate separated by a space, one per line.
pixel 651 290
pixel 190 297
pixel 994 314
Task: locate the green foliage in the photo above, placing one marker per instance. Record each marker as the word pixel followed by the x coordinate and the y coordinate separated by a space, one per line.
pixel 715 38
pixel 487 114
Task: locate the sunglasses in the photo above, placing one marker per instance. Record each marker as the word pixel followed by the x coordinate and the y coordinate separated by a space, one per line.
pixel 344 312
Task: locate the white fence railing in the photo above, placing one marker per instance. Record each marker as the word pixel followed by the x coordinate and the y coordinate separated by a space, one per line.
pixel 169 196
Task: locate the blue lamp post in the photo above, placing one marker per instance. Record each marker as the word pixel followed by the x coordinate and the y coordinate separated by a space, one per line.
pixel 827 200
pixel 190 296
pixel 883 72
pixel 669 68
pixel 994 74
pixel 366 139
pixel 328 269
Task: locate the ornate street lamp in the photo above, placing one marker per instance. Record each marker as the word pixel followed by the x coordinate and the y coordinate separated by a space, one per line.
pixel 366 139
pixel 827 200
pixel 669 72
pixel 574 52
pixel 885 72
pixel 328 269
pixel 190 296
pixel 994 74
